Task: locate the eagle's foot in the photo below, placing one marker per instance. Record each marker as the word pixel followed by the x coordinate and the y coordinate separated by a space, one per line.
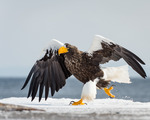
pixel 107 91
pixel 80 102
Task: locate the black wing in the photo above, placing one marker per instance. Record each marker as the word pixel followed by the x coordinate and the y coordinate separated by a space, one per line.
pixel 111 51
pixel 48 72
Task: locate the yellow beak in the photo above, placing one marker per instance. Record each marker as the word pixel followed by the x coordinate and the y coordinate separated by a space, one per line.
pixel 62 50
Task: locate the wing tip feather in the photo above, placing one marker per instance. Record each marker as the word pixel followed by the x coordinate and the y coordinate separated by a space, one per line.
pixel 38 73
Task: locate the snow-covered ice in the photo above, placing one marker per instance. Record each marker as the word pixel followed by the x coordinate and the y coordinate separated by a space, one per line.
pixel 97 109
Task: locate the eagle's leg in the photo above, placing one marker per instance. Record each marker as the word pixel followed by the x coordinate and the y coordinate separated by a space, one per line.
pixel 107 91
pixel 88 92
pixel 80 102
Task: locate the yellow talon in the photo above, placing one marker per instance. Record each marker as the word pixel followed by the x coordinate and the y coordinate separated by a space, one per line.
pixel 110 88
pixel 80 102
pixel 107 91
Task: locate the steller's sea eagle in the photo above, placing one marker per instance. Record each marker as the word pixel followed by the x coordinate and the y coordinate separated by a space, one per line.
pixel 60 61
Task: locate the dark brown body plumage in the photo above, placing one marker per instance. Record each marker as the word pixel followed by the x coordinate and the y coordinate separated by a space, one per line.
pixel 81 66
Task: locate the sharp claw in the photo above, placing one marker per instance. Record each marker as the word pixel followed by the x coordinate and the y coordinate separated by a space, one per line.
pixel 71 102
pixel 111 97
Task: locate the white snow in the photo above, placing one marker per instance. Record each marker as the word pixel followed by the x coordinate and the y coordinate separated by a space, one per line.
pixel 98 105
pixel 117 74
pixel 110 109
pixel 96 44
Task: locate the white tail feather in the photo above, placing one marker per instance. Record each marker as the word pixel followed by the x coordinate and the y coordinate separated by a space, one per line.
pixel 117 74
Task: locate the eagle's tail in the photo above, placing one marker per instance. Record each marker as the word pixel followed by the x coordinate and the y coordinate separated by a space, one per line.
pixel 117 74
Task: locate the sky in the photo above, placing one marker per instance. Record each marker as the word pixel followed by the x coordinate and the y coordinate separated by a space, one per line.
pixel 26 27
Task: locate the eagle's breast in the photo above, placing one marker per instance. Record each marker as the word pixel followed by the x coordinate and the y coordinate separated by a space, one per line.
pixel 80 66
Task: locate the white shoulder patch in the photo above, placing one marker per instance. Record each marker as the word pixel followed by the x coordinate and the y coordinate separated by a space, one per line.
pixel 96 44
pixel 53 44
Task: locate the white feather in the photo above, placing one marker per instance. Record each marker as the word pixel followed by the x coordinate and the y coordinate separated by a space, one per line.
pixel 96 44
pixel 117 74
pixel 53 44
pixel 89 90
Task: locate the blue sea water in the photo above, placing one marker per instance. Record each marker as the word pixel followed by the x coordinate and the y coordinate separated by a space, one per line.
pixel 138 90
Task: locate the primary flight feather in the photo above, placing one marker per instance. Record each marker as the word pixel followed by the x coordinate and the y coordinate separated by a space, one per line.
pixel 60 61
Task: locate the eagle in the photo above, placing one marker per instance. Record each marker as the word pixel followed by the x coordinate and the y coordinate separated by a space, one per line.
pixel 60 61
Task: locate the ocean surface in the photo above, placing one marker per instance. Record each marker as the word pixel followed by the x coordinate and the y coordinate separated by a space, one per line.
pixel 138 90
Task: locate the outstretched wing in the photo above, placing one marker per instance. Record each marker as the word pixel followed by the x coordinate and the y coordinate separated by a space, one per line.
pixel 103 50
pixel 48 72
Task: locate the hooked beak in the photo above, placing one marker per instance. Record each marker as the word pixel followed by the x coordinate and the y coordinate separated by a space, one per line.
pixel 62 50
